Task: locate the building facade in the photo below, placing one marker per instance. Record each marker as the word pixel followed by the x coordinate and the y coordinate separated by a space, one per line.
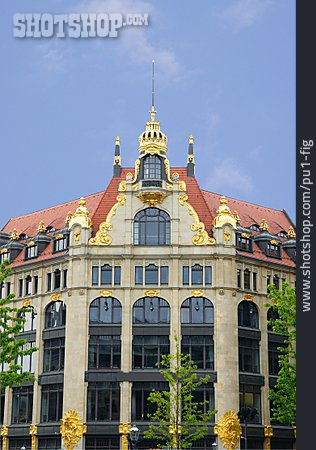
pixel 112 278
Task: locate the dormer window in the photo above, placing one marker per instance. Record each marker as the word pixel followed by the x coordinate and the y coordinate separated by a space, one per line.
pixel 152 167
pixel 31 252
pixel 254 227
pixel 244 242
pixel 49 229
pixel 282 234
pixel 60 243
pixel 273 249
pixel 23 236
pixel 4 256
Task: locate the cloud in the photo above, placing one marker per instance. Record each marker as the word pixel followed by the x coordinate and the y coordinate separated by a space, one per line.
pixel 214 119
pixel 228 176
pixel 244 13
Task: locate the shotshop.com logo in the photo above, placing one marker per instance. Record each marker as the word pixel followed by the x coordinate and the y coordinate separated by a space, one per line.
pixel 74 25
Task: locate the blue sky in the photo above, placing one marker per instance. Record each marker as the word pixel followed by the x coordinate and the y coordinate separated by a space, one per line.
pixel 225 72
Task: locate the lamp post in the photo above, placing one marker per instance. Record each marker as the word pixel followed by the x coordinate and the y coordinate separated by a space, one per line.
pixel 245 415
pixel 133 435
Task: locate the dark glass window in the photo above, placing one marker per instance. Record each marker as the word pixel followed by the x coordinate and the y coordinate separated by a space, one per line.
pixel 271 317
pixel 104 352
pixel 250 396
pixel 31 252
pixel 103 401
pixel 205 396
pixel 151 310
pixel 197 310
pixel 200 349
pixel 249 355
pixel 246 279
pixel 164 275
pixel 117 275
pixel 26 361
pixel 141 407
pixel 243 243
pixel 4 256
pixel 254 281
pixel 95 275
pixel 152 227
pixel 2 290
pixel 52 443
pixel 18 443
pixel 101 443
pixel 105 310
pixel 151 274
pixel 274 352
pixel 49 282
pixel 20 288
pixel 273 250
pixel 185 275
pixel 197 274
pixel 60 244
pixel 276 281
pixel 9 287
pixel 54 354
pixel 254 227
pixel 55 315
pixel 106 274
pixel 148 350
pixel 30 320
pixel 57 277
pixel 248 315
pixel 52 402
pixel 208 275
pixel 22 404
pixel 239 278
pixel 139 275
pixel 35 288
pixel 152 167
pixel 65 273
pixel 28 285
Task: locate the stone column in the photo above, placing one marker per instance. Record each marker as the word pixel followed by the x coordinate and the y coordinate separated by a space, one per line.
pixel 264 362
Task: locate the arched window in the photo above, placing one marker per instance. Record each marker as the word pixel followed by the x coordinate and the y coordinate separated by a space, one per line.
pixel 152 227
pixel 30 320
pixel 248 315
pixel 152 167
pixel 151 310
pixel 197 310
pixel 105 310
pixel 272 316
pixel 55 315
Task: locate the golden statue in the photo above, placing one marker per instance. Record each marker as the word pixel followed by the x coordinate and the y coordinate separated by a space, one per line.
pixel 72 429
pixel 229 430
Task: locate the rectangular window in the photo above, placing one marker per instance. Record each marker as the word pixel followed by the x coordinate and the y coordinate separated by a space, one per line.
pixel 2 290
pixel 49 282
pixel 200 349
pixel 54 355
pixel 22 404
pixel 164 275
pixel 141 407
pixel 246 279
pixel 239 278
pixel 151 274
pixel 20 288
pixel 60 244
pixel 250 396
pixel 52 402
pixel 254 281
pixel 35 286
pixel 95 275
pixel 139 275
pixel 197 274
pixel 249 355
pixel 8 288
pixel 117 275
pixel 4 256
pixel 104 352
pixel 148 350
pixel 185 275
pixel 65 273
pixel 106 274
pixel 27 362
pixel 274 354
pixel 103 401
pixel 31 252
pixel 57 277
pixel 28 285
pixel 208 275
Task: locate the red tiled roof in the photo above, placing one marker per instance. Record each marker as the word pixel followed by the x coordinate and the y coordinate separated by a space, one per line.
pixel 205 203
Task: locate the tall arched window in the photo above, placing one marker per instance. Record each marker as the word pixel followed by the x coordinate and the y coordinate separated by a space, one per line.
pixel 248 315
pixel 197 310
pixel 55 315
pixel 105 310
pixel 151 310
pixel 152 167
pixel 152 227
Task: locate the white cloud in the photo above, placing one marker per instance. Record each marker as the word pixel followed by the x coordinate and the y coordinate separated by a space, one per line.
pixel 53 57
pixel 228 176
pixel 244 13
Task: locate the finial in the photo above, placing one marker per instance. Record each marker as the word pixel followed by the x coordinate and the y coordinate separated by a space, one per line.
pixel 152 111
pixel 223 215
pixel 223 200
pixel 264 225
pixel 41 227
pixel 236 216
pixel 190 160
pixel 291 233
pixel 191 139
pixel 82 202
pixel 117 158
pixel 14 235
pixel 117 140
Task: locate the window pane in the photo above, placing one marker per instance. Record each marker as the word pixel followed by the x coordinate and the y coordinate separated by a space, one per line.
pixel 151 274
pixel 117 275
pixel 185 275
pixel 138 275
pixel 95 275
pixel 208 275
pixel 164 275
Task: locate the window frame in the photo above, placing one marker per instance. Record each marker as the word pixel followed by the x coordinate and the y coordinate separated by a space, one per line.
pixel 144 221
pixel 109 388
pixel 188 304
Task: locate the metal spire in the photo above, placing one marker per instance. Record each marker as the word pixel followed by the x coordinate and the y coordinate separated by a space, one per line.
pixel 153 112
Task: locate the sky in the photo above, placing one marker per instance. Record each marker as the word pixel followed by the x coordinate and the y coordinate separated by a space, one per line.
pixel 225 72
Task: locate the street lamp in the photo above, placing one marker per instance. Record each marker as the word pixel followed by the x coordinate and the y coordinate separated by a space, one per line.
pixel 245 415
pixel 134 434
pixel 23 448
pixel 214 445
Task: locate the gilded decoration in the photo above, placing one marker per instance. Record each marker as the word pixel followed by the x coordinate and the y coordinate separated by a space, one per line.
pixel 14 235
pixel 122 186
pixel 264 226
pixel 69 217
pixel 223 215
pixel 175 177
pixel 124 431
pixel 30 244
pixel 175 430
pixel 190 158
pixel 201 237
pixel 229 430
pixel 274 242
pixel 152 198
pixel 167 168
pixel 249 297
pixel 77 237
pixel 106 293
pixel 221 292
pixel 129 176
pixel 81 216
pixel 55 297
pixel 26 303
pixel 197 293
pixel 236 216
pixel 182 186
pixel 72 428
pixel 102 238
pixel 268 433
pixel 41 227
pixel 59 236
pixel 4 435
pixel 4 250
pixel 291 233
pixel 169 186
pixel 245 235
pixel 152 137
pixel 151 293
pixel 33 433
pixel 227 236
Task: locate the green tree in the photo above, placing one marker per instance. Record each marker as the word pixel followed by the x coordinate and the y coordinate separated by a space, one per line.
pixel 283 395
pixel 11 324
pixel 178 420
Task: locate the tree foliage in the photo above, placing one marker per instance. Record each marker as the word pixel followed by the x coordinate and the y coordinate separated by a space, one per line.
pixel 178 420
pixel 11 324
pixel 283 395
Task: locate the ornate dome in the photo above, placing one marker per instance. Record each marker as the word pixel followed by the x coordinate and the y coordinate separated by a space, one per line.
pixel 152 136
